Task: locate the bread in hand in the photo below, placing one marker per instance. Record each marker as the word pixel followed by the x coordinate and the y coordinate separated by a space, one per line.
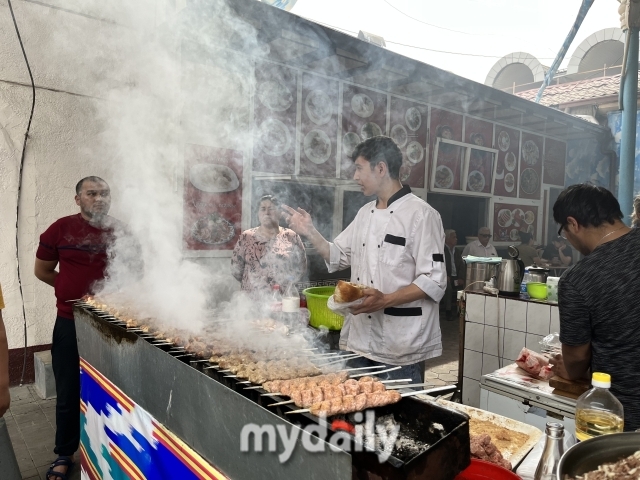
pixel 348 292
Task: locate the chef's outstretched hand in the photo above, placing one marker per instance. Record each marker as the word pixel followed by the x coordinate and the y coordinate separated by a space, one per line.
pixel 374 301
pixel 557 366
pixel 298 220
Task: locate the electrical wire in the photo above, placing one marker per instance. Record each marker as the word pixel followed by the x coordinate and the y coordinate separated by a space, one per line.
pixel 438 26
pixel 448 52
pixel 421 48
pixel 24 149
pixel 458 31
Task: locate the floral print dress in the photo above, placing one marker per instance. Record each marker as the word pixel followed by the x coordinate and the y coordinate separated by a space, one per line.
pixel 259 262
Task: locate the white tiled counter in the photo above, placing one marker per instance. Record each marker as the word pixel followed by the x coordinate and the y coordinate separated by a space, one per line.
pixel 496 329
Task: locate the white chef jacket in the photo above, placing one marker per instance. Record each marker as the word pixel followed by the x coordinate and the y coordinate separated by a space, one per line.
pixel 389 249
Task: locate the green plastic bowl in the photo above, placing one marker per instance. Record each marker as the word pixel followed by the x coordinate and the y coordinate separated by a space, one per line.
pixel 321 316
pixel 537 290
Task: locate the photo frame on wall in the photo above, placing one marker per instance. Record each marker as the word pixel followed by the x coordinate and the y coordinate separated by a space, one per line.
pixel 449 158
pixel 462 168
pixel 480 170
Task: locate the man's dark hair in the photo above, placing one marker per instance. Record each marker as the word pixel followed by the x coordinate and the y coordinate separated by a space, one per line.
pixel 92 178
pixel 380 149
pixel 590 205
pixel 525 237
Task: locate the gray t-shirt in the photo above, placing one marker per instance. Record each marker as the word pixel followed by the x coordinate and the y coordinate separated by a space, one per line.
pixel 599 302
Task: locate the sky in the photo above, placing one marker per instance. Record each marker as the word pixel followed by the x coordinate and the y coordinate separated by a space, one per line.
pixel 491 28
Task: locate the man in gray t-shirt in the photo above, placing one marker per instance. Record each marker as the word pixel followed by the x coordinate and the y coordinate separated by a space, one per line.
pixel 598 297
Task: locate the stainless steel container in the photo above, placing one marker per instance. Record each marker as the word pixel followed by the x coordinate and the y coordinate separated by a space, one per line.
pixel 588 455
pixel 538 274
pixel 553 450
pixel 510 276
pixel 477 274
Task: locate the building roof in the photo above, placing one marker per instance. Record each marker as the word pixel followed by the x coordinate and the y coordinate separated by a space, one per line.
pixel 564 93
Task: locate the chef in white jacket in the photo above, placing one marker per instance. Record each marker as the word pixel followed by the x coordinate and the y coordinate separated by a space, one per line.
pixel 395 246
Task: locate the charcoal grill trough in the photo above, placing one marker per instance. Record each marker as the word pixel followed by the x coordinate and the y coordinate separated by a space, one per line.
pixel 207 409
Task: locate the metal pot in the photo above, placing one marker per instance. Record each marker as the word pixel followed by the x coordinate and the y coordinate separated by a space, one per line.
pixel 588 455
pixel 538 274
pixel 477 274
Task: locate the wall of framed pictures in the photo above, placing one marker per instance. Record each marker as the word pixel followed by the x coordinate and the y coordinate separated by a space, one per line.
pixel 304 127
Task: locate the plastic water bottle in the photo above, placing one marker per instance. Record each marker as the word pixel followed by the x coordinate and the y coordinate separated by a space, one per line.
pixel 523 286
pixel 598 412
pixel 291 299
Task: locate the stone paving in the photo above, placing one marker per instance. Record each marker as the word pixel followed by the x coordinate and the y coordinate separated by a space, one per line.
pixel 443 370
pixel 31 420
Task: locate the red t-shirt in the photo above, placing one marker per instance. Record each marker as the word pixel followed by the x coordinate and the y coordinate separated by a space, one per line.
pixel 81 251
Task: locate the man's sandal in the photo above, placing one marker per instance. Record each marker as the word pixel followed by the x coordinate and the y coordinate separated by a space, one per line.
pixel 61 461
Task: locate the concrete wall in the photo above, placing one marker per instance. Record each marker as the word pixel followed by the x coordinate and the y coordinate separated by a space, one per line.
pixel 74 48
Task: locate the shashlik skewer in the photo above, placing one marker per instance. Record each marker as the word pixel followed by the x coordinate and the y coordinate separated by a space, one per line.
pixel 305 397
pixel 288 387
pixel 257 387
pixel 384 382
pixel 231 358
pixel 350 404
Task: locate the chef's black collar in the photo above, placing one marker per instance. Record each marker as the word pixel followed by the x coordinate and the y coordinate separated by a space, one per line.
pixel 405 190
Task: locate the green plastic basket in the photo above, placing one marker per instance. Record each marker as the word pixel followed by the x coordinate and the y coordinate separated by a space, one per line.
pixel 321 316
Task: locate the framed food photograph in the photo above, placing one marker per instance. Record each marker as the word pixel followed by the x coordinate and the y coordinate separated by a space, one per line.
pixel 275 107
pixel 479 170
pixel 319 126
pixel 364 115
pixel 509 219
pixel 409 129
pixel 212 198
pixel 507 142
pixel 447 169
pixel 555 156
pixel 531 166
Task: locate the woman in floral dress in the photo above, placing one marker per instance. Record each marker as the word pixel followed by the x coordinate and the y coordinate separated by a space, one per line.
pixel 269 254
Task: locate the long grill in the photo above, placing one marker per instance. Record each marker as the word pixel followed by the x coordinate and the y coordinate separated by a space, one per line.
pixel 433 442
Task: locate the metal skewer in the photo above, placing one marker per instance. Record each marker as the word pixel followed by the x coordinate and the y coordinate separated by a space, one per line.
pixel 342 359
pixel 411 385
pixel 377 373
pixel 362 368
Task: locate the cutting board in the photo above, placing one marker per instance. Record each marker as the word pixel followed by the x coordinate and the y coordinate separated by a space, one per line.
pixel 574 388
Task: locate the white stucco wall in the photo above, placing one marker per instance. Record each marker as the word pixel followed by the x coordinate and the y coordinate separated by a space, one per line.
pixel 75 49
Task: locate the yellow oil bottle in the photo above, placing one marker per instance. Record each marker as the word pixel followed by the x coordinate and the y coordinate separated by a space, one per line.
pixel 598 411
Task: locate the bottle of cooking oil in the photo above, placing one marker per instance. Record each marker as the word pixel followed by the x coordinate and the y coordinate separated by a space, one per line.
pixel 598 412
